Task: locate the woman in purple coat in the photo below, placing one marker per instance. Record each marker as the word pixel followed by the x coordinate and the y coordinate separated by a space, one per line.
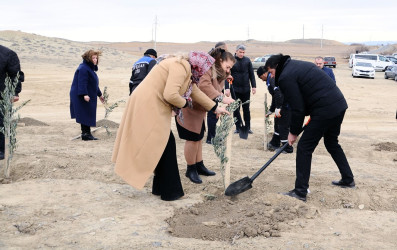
pixel 83 93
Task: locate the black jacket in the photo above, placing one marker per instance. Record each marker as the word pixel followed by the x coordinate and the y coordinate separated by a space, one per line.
pixel 9 64
pixel 277 96
pixel 309 91
pixel 140 70
pixel 243 73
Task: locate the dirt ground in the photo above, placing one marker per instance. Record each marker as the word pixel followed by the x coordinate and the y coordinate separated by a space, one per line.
pixel 64 194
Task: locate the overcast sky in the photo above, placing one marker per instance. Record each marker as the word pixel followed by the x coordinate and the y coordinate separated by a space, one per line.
pixel 205 20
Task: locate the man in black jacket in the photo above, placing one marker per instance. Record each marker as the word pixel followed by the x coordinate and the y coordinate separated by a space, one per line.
pixel 243 74
pixel 310 91
pixel 9 65
pixel 141 68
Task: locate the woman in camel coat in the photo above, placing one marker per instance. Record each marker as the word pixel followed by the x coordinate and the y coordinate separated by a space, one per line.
pixel 192 129
pixel 145 143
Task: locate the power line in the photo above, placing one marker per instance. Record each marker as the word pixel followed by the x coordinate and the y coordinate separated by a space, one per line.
pixel 155 33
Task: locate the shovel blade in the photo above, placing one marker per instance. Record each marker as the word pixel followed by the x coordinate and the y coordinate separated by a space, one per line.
pixel 238 187
pixel 243 132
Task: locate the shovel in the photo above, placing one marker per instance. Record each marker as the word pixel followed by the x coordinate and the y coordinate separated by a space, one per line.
pixel 242 129
pixel 244 184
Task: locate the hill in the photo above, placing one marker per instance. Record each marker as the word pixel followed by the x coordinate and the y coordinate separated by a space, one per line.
pixel 315 41
pixel 42 49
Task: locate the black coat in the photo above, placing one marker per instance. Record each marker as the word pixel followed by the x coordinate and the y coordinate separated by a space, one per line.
pixel 243 73
pixel 309 91
pixel 9 64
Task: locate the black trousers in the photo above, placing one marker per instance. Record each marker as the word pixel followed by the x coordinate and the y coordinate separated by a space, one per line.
pixel 246 109
pixel 281 125
pixel 211 124
pixel 316 129
pixel 166 180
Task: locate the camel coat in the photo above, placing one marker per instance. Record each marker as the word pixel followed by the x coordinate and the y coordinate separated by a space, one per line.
pixel 146 123
pixel 193 118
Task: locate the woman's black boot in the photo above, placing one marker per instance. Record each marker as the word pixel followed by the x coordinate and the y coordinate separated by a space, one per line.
pixel 88 137
pixel 201 169
pixel 192 174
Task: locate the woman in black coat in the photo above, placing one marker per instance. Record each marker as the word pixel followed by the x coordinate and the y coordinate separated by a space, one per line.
pixel 310 91
pixel 83 93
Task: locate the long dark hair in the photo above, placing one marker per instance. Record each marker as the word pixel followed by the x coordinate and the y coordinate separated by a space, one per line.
pixel 220 55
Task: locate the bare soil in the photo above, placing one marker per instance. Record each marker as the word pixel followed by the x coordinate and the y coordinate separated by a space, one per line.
pixel 64 194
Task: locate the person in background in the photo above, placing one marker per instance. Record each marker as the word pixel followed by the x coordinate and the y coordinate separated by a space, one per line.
pixel 141 68
pixel 192 127
pixel 145 142
pixel 282 113
pixel 211 116
pixel 319 61
pixel 243 80
pixel 83 93
pixel 310 91
pixel 9 66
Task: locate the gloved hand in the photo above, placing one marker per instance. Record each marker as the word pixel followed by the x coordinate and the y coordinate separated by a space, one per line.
pixel 277 113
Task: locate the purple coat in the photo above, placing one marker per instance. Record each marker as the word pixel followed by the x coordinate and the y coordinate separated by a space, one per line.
pixel 85 82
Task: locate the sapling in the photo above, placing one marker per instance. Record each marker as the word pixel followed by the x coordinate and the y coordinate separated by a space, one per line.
pixel 222 132
pixel 109 108
pixel 10 120
pixel 267 124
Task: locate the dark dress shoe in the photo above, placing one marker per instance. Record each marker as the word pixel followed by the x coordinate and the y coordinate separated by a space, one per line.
pixel 343 184
pixel 1 155
pixel 288 149
pixel 293 194
pixel 271 147
pixel 250 131
pixel 88 137
pixel 208 141
pixel 201 169
pixel 192 174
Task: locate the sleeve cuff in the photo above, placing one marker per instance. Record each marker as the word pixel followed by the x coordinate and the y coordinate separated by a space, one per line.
pixel 214 108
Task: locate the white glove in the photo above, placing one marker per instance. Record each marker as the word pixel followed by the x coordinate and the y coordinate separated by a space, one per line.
pixel 277 113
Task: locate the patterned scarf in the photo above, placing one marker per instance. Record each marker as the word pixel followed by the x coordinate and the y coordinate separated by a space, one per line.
pixel 200 62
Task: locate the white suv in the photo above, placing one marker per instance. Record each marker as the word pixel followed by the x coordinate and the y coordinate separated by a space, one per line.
pixel 379 62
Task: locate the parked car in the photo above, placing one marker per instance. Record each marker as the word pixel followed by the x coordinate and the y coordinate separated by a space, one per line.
pixel 379 62
pixel 330 61
pixel 364 69
pixel 391 72
pixel 260 61
pixel 391 59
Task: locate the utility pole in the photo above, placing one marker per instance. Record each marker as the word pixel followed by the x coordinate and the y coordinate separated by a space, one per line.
pixel 155 32
pixel 303 32
pixel 248 33
pixel 322 34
